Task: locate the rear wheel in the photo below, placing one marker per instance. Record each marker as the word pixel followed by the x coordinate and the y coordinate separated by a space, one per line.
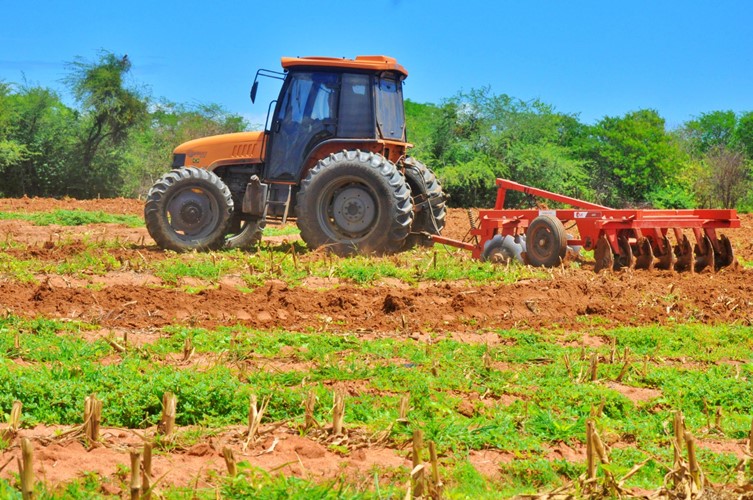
pixel 188 209
pixel 546 241
pixel 354 202
pixel 428 203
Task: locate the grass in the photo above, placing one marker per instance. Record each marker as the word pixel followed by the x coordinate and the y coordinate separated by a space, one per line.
pixel 73 218
pixel 289 262
pixel 528 407
pixel 527 394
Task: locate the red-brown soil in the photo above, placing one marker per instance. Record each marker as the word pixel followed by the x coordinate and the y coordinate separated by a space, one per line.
pixel 134 301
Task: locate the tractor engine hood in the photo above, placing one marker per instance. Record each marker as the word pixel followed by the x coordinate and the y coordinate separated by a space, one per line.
pixel 217 150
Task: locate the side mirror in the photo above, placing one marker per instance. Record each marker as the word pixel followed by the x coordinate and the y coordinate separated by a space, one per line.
pixel 254 88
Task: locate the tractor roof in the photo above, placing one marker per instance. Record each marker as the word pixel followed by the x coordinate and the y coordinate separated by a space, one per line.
pixel 372 63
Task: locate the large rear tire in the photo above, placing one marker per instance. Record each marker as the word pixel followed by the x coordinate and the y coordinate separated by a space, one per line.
pixel 430 209
pixel 188 209
pixel 354 202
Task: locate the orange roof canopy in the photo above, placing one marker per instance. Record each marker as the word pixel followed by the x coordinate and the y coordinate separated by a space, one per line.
pixel 372 63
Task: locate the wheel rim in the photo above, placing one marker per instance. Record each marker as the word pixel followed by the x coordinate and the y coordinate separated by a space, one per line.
pixel 543 243
pixel 193 213
pixel 347 209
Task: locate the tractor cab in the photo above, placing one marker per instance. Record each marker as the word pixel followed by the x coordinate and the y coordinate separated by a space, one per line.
pixel 333 104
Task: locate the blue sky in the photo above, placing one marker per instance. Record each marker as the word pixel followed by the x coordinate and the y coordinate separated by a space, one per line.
pixel 593 58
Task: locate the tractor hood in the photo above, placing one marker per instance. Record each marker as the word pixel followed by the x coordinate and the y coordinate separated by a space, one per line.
pixel 226 149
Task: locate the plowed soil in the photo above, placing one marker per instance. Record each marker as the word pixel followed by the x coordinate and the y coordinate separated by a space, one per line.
pixel 134 301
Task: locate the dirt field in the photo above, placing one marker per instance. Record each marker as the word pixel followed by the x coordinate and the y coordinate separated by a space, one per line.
pixel 133 302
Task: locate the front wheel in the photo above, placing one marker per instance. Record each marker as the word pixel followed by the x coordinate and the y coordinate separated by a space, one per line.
pixel 188 209
pixel 354 202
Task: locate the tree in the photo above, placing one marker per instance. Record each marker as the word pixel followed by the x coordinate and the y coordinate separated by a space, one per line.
pixel 480 136
pixel 632 156
pixel 710 130
pixel 725 178
pixel 149 150
pixel 110 111
pixel 743 136
pixel 48 129
pixel 11 151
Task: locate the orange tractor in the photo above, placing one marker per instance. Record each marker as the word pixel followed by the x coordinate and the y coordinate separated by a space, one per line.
pixel 335 154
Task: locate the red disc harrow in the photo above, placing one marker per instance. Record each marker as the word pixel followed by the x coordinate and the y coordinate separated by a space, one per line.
pixel 627 238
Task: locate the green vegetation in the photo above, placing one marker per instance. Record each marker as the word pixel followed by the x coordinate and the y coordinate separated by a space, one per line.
pixel 117 140
pixel 525 394
pixel 73 218
pixel 287 261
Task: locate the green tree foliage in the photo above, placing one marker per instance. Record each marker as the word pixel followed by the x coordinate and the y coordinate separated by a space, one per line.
pixel 149 152
pixel 47 128
pixel 11 151
pixel 721 146
pixel 632 157
pixel 711 130
pixel 110 111
pixel 478 136
pixel 115 140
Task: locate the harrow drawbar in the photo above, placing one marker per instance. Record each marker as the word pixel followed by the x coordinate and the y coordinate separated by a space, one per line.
pixel 620 238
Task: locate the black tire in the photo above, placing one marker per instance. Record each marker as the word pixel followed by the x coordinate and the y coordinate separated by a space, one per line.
pixel 546 241
pixel 188 209
pixel 374 193
pixel 430 209
pixel 245 234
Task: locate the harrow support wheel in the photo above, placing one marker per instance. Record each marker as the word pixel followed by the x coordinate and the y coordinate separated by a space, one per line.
pixel 546 241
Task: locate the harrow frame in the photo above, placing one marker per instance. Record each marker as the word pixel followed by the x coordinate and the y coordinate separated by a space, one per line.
pixel 619 237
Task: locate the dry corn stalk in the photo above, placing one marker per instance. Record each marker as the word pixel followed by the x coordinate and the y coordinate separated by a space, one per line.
pixel 135 474
pixel 590 451
pixel 146 472
pixel 308 420
pixel 338 414
pixel 255 414
pixel 227 454
pixel 92 417
pixel 679 439
pixel 188 350
pixel 696 475
pixel 417 474
pixel 14 421
pixel 169 410
pixel 26 469
pixel 594 366
pixel 404 407
pixel 487 359
pixel 435 490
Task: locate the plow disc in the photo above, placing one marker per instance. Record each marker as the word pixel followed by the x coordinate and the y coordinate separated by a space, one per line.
pixel 646 253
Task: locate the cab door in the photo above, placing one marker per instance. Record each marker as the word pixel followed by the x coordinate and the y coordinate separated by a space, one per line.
pixel 306 116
